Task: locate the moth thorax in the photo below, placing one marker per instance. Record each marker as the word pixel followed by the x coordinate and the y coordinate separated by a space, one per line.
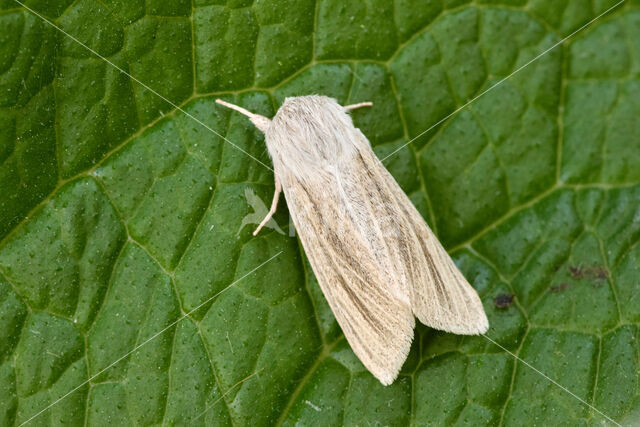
pixel 310 155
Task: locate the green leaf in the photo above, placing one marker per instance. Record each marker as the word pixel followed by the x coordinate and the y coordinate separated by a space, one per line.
pixel 132 290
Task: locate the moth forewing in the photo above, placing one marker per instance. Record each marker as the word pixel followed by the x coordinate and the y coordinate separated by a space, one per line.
pixel 376 260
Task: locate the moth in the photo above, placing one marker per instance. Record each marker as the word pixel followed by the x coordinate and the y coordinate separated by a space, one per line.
pixel 376 260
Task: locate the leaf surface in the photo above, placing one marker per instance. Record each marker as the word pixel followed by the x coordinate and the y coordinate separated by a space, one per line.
pixel 121 216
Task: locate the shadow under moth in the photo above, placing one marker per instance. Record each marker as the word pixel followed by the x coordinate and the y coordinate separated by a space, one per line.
pixel 376 260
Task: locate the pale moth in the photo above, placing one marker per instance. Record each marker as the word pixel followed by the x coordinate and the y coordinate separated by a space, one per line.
pixel 376 260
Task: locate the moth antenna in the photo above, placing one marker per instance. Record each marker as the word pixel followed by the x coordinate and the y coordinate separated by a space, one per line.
pixel 359 105
pixel 261 122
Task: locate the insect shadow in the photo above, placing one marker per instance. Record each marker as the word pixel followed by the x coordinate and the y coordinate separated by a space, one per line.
pixel 259 212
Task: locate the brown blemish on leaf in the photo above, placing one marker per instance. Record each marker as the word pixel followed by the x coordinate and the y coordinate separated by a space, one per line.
pixel 560 287
pixel 503 300
pixel 600 272
pixel 596 272
pixel 576 272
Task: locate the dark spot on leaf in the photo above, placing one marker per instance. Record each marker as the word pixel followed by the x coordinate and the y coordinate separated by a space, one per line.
pixel 503 300
pixel 560 287
pixel 600 272
pixel 589 272
pixel 576 272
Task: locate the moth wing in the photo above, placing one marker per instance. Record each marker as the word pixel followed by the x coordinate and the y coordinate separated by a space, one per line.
pixel 376 319
pixel 441 297
pixel 378 263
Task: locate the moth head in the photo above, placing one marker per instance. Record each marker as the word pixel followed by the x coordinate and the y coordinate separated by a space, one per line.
pixel 297 105
pixel 309 103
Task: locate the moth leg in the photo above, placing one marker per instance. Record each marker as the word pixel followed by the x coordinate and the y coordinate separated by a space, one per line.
pixel 359 105
pixel 274 205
